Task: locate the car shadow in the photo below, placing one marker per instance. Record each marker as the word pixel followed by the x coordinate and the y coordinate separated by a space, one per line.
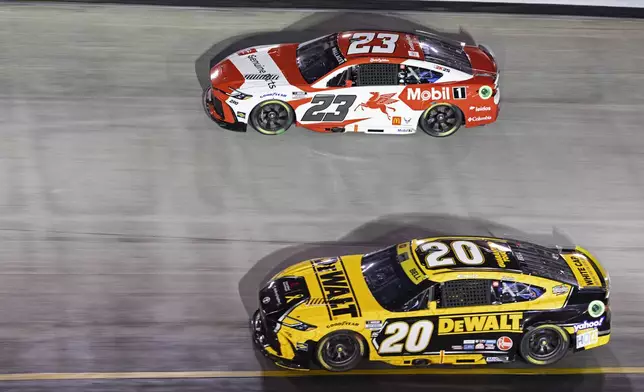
pixel 310 27
pixel 388 230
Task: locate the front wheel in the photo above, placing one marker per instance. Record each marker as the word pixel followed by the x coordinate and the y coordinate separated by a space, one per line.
pixel 340 351
pixel 441 120
pixel 272 117
pixel 545 345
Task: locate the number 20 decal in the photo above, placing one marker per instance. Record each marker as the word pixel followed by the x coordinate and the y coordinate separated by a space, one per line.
pixel 417 337
pixel 466 252
pixel 322 102
pixel 388 40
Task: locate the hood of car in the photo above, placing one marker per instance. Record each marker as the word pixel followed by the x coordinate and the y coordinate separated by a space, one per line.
pixel 256 68
pixel 323 290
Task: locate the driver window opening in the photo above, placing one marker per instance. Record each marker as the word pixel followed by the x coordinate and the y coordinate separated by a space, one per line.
pixel 416 75
pixel 482 292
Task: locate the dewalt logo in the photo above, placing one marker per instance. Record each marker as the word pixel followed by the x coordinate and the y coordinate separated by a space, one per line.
pixel 505 322
pixel 334 283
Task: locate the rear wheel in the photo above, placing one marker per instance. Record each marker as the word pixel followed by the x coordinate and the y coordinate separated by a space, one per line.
pixel 340 351
pixel 441 120
pixel 545 345
pixel 272 117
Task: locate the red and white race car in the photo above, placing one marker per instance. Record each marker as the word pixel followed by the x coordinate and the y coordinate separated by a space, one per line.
pixel 381 82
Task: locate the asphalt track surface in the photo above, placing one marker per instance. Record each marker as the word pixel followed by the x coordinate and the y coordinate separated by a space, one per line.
pixel 135 232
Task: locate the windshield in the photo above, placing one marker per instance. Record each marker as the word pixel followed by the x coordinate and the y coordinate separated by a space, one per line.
pixel 389 283
pixel 318 57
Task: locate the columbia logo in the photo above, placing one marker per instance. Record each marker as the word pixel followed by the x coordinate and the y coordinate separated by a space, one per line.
pixel 261 77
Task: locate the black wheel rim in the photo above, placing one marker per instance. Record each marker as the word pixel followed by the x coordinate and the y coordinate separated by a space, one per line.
pixel 340 350
pixel 272 117
pixel 545 344
pixel 442 119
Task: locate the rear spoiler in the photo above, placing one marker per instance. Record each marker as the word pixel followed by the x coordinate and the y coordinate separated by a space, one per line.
pixel 486 49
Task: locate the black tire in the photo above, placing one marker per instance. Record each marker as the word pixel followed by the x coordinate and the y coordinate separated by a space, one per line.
pixel 206 98
pixel 441 120
pixel 340 351
pixel 272 117
pixel 545 345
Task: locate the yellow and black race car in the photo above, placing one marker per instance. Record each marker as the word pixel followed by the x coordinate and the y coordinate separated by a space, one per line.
pixel 445 300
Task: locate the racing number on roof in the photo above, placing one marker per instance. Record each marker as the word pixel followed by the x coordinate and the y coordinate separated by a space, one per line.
pixel 417 337
pixel 361 39
pixel 322 102
pixel 466 252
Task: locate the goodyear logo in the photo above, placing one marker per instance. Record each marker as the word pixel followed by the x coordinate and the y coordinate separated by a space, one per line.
pixel 334 283
pixel 508 322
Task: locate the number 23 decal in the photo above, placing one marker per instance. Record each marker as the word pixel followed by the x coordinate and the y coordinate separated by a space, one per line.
pixel 416 337
pixel 359 46
pixel 321 102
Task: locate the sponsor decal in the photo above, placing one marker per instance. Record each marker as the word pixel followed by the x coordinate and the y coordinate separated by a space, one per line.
pixel 343 324
pixel 405 130
pixel 510 322
pixel 485 92
pixel 287 288
pixel 374 325
pixel 233 101
pixel 468 347
pixel 299 94
pixel 290 298
pixel 380 102
pixel 504 343
pixel 247 51
pixel 560 289
pixel 477 119
pixel 338 56
pixel 490 347
pixel 500 256
pixel 469 341
pixel 407 120
pixel 413 53
pixel 277 296
pixel 587 338
pixel 409 40
pixel 263 75
pixel 589 324
pixel 335 284
pixel 457 347
pixel 596 308
pixel 379 60
pixel 241 114
pixel 266 300
pixel 301 346
pixel 417 277
pixel 396 120
pixel 479 346
pixel 480 108
pixel 584 272
pixel 496 359
pixel 273 95
pixel 435 94
pixel 441 68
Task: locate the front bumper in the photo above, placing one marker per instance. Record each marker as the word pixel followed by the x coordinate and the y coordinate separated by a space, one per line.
pixel 221 113
pixel 301 360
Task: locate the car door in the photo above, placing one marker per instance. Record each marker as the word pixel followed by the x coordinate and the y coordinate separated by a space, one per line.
pixel 359 98
pixel 481 316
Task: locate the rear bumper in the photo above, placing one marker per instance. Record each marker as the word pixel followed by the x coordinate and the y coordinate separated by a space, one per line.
pixel 261 341
pixel 221 113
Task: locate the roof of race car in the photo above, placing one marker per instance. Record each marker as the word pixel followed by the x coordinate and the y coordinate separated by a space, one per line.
pixel 463 253
pixel 417 46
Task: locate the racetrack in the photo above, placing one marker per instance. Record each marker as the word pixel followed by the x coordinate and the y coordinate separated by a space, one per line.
pixel 136 232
